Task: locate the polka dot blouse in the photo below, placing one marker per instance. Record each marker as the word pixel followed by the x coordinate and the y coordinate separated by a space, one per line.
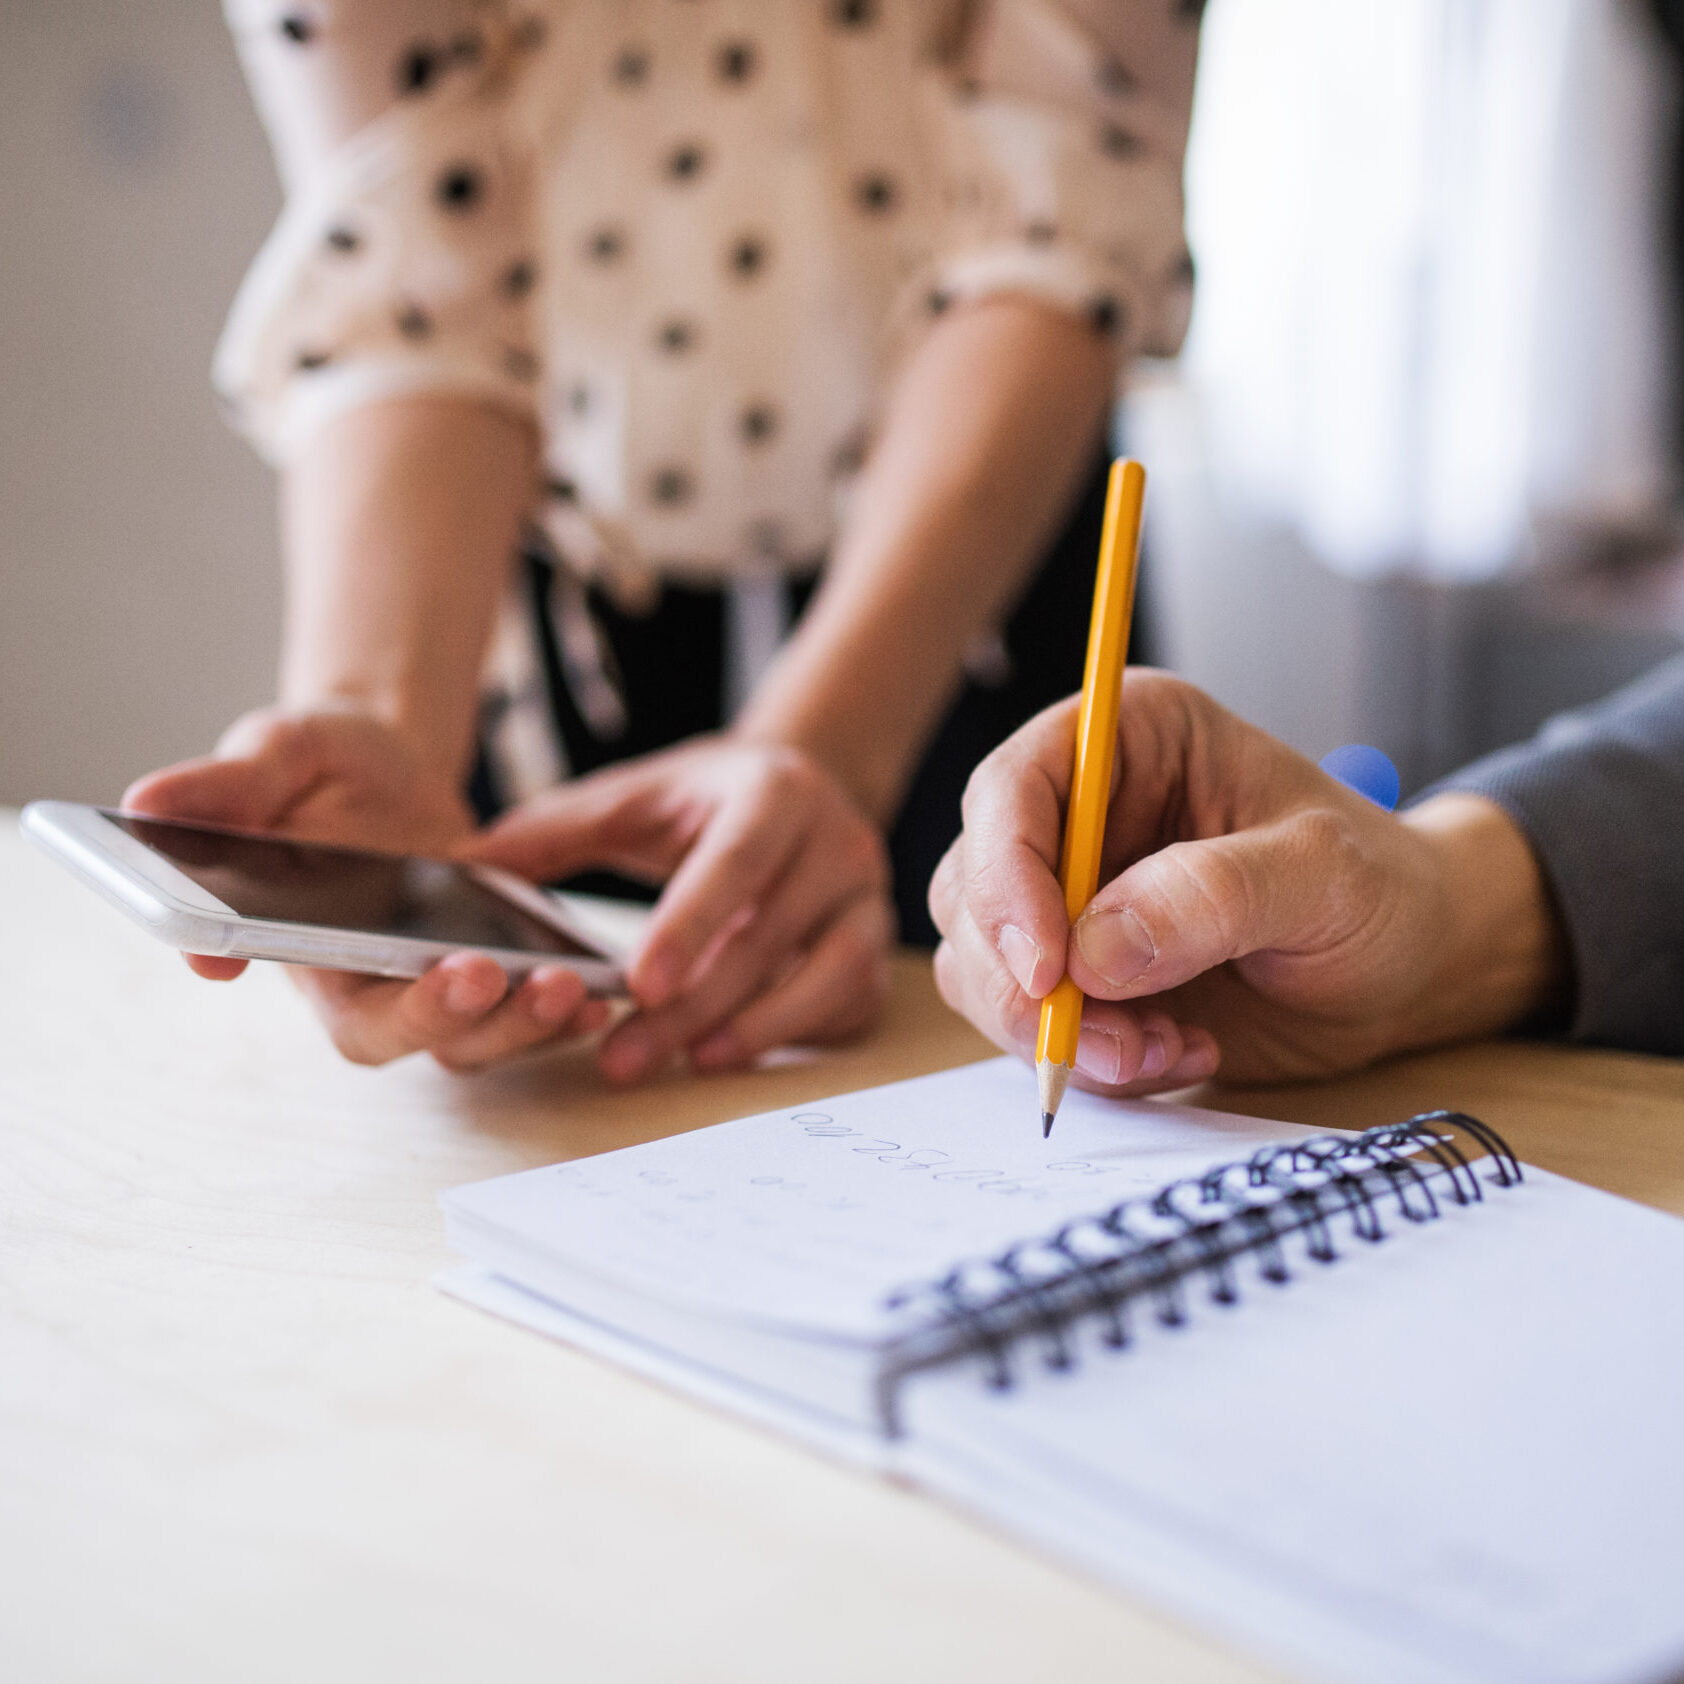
pixel 691 239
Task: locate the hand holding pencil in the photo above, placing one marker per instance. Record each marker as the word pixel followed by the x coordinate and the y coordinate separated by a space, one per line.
pixel 1249 911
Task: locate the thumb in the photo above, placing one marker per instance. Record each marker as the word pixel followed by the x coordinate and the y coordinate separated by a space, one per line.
pixel 606 820
pixel 265 765
pixel 1196 905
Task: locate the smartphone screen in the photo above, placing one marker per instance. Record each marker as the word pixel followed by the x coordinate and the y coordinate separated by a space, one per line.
pixel 345 889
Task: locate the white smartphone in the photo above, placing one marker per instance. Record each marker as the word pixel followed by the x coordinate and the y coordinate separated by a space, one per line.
pixel 248 896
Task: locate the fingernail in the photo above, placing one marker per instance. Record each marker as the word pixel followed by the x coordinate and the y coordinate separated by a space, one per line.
pixel 1115 944
pixel 1099 1054
pixel 1154 1060
pixel 1205 1065
pixel 1022 955
pixel 627 1056
pixel 553 995
pixel 467 994
pixel 657 978
pixel 1199 1061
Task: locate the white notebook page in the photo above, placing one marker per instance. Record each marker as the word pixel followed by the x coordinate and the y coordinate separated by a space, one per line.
pixel 1457 1454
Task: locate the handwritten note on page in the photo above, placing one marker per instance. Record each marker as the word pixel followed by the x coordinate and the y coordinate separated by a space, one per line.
pixel 810 1217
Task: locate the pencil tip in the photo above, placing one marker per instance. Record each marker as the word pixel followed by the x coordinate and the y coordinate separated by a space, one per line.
pixel 1051 1081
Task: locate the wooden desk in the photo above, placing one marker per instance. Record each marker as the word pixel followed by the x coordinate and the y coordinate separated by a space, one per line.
pixel 242 1438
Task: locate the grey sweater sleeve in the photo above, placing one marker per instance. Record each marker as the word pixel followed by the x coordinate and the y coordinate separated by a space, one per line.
pixel 1599 793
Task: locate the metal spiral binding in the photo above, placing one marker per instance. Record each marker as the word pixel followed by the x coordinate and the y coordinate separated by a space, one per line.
pixel 1145 1253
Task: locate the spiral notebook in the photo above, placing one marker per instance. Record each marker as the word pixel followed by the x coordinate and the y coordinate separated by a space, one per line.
pixel 1383 1406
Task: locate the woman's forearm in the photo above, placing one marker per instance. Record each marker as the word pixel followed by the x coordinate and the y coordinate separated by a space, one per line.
pixel 399 522
pixel 988 433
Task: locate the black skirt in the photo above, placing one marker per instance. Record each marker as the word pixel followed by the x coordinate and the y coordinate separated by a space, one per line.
pixel 671 676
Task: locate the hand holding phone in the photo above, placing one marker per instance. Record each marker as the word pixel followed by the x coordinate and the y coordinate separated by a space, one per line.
pixel 343 777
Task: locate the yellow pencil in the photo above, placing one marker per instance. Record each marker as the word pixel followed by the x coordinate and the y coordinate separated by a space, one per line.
pixel 1090 778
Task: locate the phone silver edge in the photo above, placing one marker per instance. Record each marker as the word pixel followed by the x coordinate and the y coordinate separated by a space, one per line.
pixel 170 905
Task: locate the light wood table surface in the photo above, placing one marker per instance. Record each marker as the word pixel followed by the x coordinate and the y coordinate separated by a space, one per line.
pixel 243 1438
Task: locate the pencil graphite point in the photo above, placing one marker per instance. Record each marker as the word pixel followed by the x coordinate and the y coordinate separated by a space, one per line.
pixel 1052 1079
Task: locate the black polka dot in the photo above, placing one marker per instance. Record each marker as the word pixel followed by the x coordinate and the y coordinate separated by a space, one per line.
pixel 414 322
pixel 561 490
pixel 459 188
pixel 853 14
pixel 670 487
pixel 1114 77
pixel 876 193
pixel 735 61
pixel 1040 233
pixel 528 35
pixel 1105 315
pixel 677 336
pixel 1182 272
pixel 297 28
pixel 1116 142
pixel 580 398
pixel 519 278
pixel 519 363
pixel 308 362
pixel 631 66
pixel 747 256
pixel 467 48
pixel 758 423
pixel 605 245
pixel 686 161
pixel 418 69
pixel 344 240
pixel 937 301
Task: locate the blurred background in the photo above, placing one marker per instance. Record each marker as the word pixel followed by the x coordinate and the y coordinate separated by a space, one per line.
pixel 1415 477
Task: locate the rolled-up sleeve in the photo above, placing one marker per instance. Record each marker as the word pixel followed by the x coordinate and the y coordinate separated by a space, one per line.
pixel 1599 794
pixel 1064 129
pixel 403 259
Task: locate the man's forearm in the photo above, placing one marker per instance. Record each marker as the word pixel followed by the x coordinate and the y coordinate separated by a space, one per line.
pixel 1597 795
pixel 990 428
pixel 399 522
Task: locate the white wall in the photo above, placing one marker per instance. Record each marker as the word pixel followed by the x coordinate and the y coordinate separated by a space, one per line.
pixel 138 582
pixel 1433 674
pixel 1246 613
